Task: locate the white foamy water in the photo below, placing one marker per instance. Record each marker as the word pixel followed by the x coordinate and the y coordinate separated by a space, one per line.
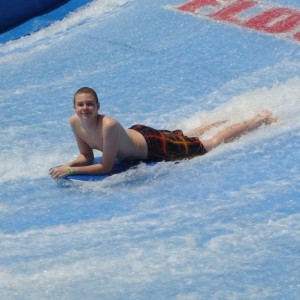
pixel 221 226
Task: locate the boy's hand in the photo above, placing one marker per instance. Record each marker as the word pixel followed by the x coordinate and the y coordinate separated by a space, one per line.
pixel 59 172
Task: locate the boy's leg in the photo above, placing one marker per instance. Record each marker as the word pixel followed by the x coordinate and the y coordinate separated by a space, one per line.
pixel 232 132
pixel 198 131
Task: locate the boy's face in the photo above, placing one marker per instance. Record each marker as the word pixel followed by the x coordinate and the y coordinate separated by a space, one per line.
pixel 85 105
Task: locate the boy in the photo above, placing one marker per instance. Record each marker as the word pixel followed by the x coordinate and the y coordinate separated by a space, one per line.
pixel 96 131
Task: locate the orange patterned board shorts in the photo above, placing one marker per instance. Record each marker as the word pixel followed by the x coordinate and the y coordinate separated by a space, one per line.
pixel 169 145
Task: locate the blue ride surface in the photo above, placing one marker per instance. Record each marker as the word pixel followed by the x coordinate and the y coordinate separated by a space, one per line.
pixel 221 226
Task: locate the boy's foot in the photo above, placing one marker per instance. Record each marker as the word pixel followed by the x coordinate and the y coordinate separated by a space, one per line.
pixel 267 116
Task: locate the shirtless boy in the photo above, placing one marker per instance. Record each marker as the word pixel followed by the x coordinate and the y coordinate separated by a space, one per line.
pixel 101 132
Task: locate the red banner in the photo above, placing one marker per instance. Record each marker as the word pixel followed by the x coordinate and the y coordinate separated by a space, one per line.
pixel 251 14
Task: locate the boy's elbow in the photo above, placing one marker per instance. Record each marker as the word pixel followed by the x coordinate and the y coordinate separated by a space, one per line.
pixel 106 168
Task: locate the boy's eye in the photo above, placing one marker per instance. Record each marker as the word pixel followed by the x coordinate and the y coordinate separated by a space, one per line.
pixel 87 104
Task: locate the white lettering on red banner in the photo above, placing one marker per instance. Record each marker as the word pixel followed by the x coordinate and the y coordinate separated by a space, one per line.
pixel 251 14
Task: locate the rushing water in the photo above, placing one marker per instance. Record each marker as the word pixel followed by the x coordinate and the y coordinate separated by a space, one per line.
pixel 222 226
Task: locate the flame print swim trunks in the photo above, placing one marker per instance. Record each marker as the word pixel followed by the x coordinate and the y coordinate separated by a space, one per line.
pixel 169 145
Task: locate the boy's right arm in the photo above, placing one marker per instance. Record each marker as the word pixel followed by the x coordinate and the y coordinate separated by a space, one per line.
pixel 85 158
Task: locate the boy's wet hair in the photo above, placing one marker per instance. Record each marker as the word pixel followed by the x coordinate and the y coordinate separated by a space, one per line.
pixel 86 90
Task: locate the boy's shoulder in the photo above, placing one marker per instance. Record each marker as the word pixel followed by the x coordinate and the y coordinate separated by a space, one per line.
pixel 73 118
pixel 108 121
